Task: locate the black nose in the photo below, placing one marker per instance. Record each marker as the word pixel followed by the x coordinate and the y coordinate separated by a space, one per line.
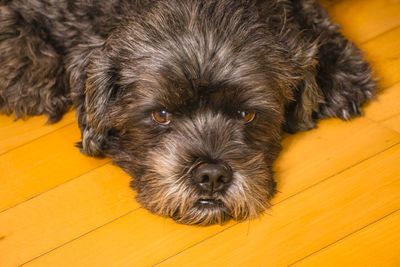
pixel 212 177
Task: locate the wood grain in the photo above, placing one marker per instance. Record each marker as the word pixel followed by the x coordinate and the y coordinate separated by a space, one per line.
pixel 298 227
pixel 375 245
pixel 386 108
pixel 386 104
pixel 16 133
pixel 64 213
pixel 384 55
pixel 177 237
pixel 393 123
pixel 42 164
pixel 363 20
pixel 312 156
pixel 138 239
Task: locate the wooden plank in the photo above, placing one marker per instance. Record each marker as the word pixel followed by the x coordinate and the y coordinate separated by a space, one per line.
pixel 375 245
pixel 16 133
pixel 297 226
pixel 64 213
pixel 384 55
pixel 386 108
pixel 143 239
pixel 363 20
pixel 309 157
pixel 386 104
pixel 138 239
pixel 42 164
pixel 393 123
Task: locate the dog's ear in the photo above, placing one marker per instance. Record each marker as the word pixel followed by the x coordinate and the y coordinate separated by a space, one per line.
pixel 307 95
pixel 307 98
pixel 92 78
pixel 101 91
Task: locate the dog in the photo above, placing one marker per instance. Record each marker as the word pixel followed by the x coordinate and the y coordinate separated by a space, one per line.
pixel 189 97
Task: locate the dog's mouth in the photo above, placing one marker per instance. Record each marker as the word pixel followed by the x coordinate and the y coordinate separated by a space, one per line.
pixel 209 201
pixel 205 211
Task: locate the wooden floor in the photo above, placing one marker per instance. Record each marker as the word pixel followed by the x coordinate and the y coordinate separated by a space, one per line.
pixel 339 200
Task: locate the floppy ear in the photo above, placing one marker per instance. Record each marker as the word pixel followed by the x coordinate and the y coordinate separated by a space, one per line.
pixel 307 95
pixel 101 90
pixel 307 98
pixel 92 79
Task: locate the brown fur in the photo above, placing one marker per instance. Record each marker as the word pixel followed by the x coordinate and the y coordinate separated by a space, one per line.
pixel 203 61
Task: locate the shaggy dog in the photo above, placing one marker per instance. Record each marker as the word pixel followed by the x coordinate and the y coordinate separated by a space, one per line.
pixel 187 96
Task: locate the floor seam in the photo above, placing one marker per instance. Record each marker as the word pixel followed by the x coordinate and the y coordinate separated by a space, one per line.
pixel 207 238
pixel 378 36
pixel 82 235
pixel 344 237
pixel 383 125
pixel 54 187
pixel 35 139
pixel 293 195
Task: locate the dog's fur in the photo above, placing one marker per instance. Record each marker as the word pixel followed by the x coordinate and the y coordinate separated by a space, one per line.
pixel 117 61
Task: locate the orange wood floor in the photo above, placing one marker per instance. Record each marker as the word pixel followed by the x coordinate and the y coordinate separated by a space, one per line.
pixel 339 186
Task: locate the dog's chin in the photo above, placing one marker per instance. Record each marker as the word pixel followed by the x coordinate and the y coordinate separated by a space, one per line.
pixel 204 212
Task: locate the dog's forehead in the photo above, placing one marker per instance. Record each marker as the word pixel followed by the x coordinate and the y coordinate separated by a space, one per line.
pixel 199 58
pixel 179 94
pixel 175 81
pixel 196 93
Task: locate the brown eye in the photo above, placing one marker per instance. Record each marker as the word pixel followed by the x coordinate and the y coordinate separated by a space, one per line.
pixel 247 116
pixel 161 116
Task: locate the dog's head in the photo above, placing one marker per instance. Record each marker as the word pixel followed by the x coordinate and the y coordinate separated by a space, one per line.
pixel 189 101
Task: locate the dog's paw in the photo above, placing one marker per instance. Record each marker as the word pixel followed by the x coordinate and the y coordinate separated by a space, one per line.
pixel 345 109
pixel 346 101
pixel 346 88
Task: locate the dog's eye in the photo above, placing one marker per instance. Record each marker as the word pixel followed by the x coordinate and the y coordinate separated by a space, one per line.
pixel 247 116
pixel 161 116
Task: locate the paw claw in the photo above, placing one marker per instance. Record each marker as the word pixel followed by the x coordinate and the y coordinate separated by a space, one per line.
pixel 345 115
pixel 356 109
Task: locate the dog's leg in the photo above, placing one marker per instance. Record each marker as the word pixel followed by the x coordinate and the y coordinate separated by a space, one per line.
pixel 344 77
pixel 32 76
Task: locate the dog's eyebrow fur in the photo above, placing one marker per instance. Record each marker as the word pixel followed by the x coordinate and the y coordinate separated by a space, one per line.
pixel 223 96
